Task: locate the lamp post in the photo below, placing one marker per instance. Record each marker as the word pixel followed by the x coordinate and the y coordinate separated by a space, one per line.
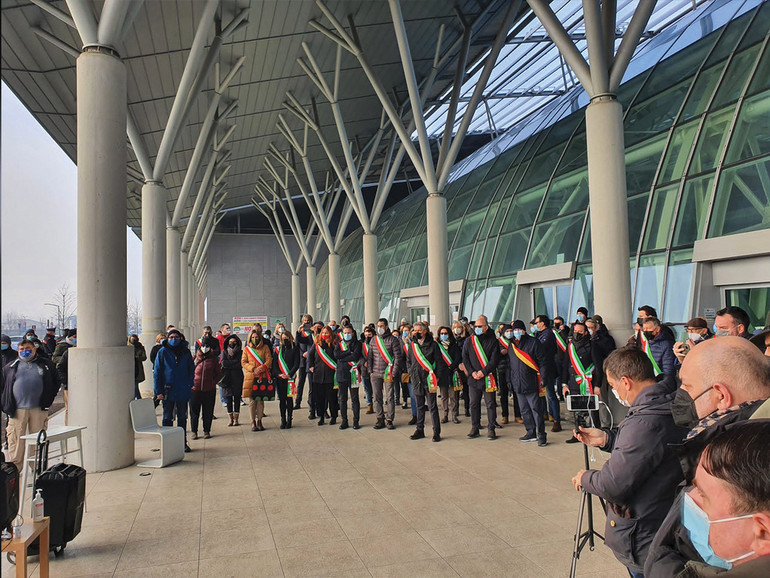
pixel 59 320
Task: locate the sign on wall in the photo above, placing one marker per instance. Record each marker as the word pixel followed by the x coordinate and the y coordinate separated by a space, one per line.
pixel 246 324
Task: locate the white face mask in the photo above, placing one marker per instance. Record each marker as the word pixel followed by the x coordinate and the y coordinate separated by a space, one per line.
pixel 205 348
pixel 624 403
pixel 457 330
pixel 695 337
pixel 380 331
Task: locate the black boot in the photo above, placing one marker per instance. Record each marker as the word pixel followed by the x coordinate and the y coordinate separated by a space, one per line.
pixel 436 435
pixel 417 435
pixel 289 416
pixel 355 424
pixel 380 424
pixel 283 423
pixel 344 424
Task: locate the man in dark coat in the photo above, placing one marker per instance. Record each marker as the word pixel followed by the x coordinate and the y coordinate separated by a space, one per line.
pixel 581 344
pixel 602 344
pixel 8 354
pixel 661 346
pixel 548 371
pixel 525 363
pixel 480 356
pixel 640 478
pixel 49 341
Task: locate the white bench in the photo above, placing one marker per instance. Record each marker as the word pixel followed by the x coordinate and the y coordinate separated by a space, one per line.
pixel 146 423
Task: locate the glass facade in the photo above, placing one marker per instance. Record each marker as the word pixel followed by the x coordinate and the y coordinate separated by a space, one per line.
pixel 697 135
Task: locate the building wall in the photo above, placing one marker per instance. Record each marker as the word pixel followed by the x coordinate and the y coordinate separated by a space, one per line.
pixel 248 275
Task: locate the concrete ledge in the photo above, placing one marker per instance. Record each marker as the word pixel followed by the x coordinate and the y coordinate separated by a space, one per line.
pixel 737 246
pixel 557 272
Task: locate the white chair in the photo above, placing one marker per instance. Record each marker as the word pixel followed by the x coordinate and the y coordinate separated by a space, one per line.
pixel 171 438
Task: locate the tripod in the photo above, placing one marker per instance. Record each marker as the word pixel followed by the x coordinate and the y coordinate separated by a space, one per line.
pixel 587 537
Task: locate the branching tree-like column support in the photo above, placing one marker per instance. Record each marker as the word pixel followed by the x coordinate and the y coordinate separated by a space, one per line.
pixel 433 177
pixel 606 151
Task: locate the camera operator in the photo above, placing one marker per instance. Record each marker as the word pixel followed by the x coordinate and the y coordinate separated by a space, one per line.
pixel 641 476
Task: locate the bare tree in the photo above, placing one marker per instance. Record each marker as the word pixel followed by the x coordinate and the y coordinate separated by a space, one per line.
pixel 65 302
pixel 134 317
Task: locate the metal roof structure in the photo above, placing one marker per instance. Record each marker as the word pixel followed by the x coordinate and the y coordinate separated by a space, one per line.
pixel 258 63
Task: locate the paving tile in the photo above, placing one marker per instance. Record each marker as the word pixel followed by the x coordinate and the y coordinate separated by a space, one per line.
pixel 252 538
pixel 589 564
pixel 252 564
pixel 178 570
pixel 145 553
pixel 329 559
pixel 432 568
pixel 292 532
pixel 449 541
pixel 437 516
pixel 367 526
pixel 390 549
pixel 498 562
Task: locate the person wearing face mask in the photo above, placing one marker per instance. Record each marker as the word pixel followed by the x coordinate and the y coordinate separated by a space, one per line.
pixel 286 362
pixel 174 376
pixel 258 387
pixel 602 344
pixel 29 385
pixel 315 330
pixel 579 367
pixel 8 354
pixel 348 357
pixel 208 372
pixel 366 342
pixel 697 332
pixel 640 478
pixel 49 341
pixel 727 513
pixel 69 340
pixel 659 346
pixel 208 333
pixel 304 339
pixel 62 368
pixel 561 334
pixel 724 381
pixel 547 339
pixel 449 383
pixel 581 315
pixel 526 358
pixel 406 389
pixel 140 355
pixel 222 335
pixel 461 332
pixel 732 321
pixel 481 353
pixel 232 377
pixel 324 369
pixel 425 366
pixel 385 360
pixel 504 336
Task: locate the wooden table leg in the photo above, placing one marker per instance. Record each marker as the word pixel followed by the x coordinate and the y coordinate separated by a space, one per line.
pixel 21 562
pixel 45 546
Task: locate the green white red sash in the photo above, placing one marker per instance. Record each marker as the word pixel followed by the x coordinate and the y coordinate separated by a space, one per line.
pixel 255 356
pixel 560 341
pixel 527 360
pixel 305 333
pixel 504 342
pixel 648 351
pixel 426 365
pixel 583 376
pixel 329 362
pixel 355 373
pixel 489 380
pixel 291 390
pixel 456 385
pixel 386 356
pixel 365 347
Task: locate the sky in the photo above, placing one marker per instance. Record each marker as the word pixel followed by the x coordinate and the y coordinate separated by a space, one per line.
pixel 38 201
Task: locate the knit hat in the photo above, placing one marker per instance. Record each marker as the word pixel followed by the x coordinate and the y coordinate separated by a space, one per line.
pixel 519 324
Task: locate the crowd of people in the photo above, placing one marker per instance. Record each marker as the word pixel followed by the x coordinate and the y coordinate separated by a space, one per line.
pixel 687 481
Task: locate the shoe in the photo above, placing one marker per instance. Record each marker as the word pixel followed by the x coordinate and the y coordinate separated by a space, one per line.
pixel 412 421
pixel 321 421
pixel 379 425
pixel 550 418
pixel 498 425
pixel 504 421
pixel 355 425
pixel 333 420
pixel 283 424
pixel 254 426
pixel 235 419
pixel 572 440
pixel 474 433
pixel 260 427
pixel 288 423
pixel 296 406
pixel 467 413
pixel 444 419
pixel 389 425
pixel 344 424
pixel 369 409
pixel 417 435
pixel 312 417
pixel 455 419
pixel 206 435
pixel 214 417
pixel 519 420
pixel 556 427
pixel 542 443
pixel 436 437
pixel 528 438
pixel 326 415
pixel 187 449
pixel 231 421
pixel 492 435
pixel 194 435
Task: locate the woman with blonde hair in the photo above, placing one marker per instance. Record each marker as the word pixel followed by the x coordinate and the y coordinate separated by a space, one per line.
pixel 323 366
pixel 256 362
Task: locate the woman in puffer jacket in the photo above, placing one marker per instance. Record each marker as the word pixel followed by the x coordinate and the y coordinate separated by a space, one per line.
pixel 232 376
pixel 208 372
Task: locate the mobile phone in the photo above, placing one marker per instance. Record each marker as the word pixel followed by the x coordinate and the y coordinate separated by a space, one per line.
pixel 583 402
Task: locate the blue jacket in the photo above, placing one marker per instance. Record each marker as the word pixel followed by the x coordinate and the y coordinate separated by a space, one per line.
pixel 174 367
pixel 662 349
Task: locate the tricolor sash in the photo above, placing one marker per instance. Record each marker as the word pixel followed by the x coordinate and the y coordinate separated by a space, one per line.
pixel 329 363
pixel 583 376
pixel 527 360
pixel 504 342
pixel 255 356
pixel 365 347
pixel 386 356
pixel 355 373
pixel 198 341
pixel 489 380
pixel 648 351
pixel 291 389
pixel 560 341
pixel 305 333
pixel 427 366
pixel 456 385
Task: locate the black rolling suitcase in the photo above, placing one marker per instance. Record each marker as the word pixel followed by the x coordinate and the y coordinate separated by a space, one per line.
pixel 63 487
pixel 9 492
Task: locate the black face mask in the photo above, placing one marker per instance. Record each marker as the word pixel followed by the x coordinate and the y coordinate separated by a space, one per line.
pixel 683 409
pixel 416 335
pixel 640 321
pixel 557 326
pixel 649 335
pixel 578 336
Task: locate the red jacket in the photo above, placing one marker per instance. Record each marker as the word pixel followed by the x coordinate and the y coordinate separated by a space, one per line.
pixel 208 372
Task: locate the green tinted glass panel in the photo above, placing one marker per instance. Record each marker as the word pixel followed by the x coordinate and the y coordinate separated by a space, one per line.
pixel 510 253
pixel 541 168
pixel 485 193
pixel 566 195
pixel 642 163
pixel 754 301
pixel 751 136
pixel 543 301
pixel 678 285
pixel 660 217
pixel 693 210
pixel 421 247
pixel 473 271
pixel 712 140
pixel 729 40
pixel 585 245
pixel 761 80
pixel 492 220
pixel 470 228
pixel 636 208
pixel 451 232
pixel 702 91
pixel 583 288
pixel 458 263
pixel 678 152
pixel 459 204
pixel 523 209
pixel 486 258
pixel 686 62
pixel 735 77
pixel 555 241
pixel 649 280
pixel 498 305
pixel 758 28
pixel 575 155
pixel 414 277
pixel 742 201
pixel 655 114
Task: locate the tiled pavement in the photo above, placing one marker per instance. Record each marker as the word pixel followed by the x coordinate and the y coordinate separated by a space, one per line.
pixel 315 501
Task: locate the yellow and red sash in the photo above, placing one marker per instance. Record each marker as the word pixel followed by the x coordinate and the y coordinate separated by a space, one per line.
pixel 427 366
pixel 527 360
pixel 489 380
pixel 292 386
pixel 386 356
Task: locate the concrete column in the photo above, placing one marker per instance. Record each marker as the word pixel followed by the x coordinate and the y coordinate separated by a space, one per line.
pixel 153 271
pixel 173 279
pixel 334 287
pixel 184 283
pixel 371 290
pixel 609 214
pixel 311 292
pixel 296 303
pixel 438 258
pixel 101 370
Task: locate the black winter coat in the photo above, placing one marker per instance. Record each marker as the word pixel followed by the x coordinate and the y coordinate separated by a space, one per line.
pixel 232 372
pixel 322 373
pixel 548 349
pixel 471 361
pixel 51 384
pixel 291 355
pixel 640 479
pixel 445 377
pixel 353 354
pixel 583 350
pixel 602 344
pixel 522 378
pixel 418 377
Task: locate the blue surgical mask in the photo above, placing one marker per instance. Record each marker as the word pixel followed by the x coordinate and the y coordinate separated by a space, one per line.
pixel 518 333
pixel 347 336
pixel 534 329
pixel 509 334
pixel 698 524
pixel 444 337
pixel 26 354
pixel 4 346
pixel 581 317
pixel 332 327
pixel 404 334
pixel 174 341
pixel 478 330
pixel 74 341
